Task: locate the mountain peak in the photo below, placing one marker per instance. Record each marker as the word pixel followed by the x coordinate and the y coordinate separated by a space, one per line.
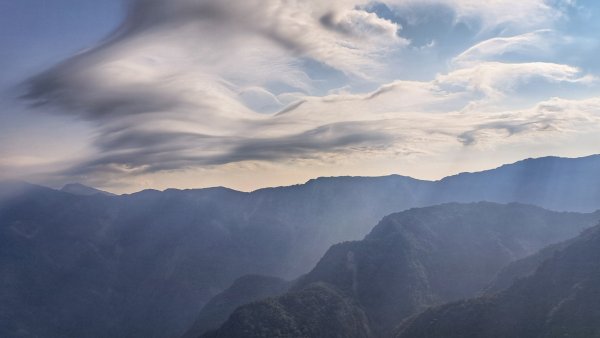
pixel 83 190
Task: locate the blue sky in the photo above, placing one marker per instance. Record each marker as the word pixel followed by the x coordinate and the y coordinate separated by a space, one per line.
pixel 127 95
pixel 36 34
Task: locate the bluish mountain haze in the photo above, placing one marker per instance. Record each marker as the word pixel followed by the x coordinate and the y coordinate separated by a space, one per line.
pixel 244 290
pixel 80 189
pixel 147 263
pixel 410 261
pixel 234 96
pixel 559 300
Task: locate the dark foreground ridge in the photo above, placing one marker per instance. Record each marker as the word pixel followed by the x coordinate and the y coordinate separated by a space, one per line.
pixel 559 300
pixel 244 290
pixel 410 261
pixel 145 264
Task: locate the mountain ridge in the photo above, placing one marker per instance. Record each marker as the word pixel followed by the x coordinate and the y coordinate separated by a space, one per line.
pixel 200 241
pixel 83 190
pixel 415 259
pixel 560 299
pixel 350 177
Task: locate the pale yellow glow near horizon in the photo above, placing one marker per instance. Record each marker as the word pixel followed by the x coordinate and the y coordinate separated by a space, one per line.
pixel 252 176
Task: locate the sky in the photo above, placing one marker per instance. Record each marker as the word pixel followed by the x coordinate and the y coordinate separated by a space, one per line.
pixel 127 95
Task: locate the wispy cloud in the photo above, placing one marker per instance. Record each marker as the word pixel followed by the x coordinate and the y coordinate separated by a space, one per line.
pixel 531 45
pixel 203 83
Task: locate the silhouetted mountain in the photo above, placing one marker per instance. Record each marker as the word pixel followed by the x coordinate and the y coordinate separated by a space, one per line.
pixel 146 263
pixel 418 258
pixel 80 189
pixel 523 267
pixel 244 290
pixel 559 300
pixel 317 311
pixel 551 182
pixel 12 189
pixel 137 265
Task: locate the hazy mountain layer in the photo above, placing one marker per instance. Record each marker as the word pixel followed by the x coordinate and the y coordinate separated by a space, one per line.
pixel 523 267
pixel 146 263
pixel 419 258
pixel 244 290
pixel 318 311
pixel 80 189
pixel 559 300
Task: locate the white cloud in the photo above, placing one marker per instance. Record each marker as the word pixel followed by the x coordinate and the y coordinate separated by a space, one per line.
pixel 183 84
pixel 495 79
pixel 533 44
pixel 361 24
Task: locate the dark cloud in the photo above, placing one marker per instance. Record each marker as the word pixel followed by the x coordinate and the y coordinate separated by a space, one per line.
pixel 510 128
pixel 359 23
pixel 90 102
pixel 291 107
pixel 139 152
pixel 380 91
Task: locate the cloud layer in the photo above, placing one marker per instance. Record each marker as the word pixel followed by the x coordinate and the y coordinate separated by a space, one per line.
pixel 204 83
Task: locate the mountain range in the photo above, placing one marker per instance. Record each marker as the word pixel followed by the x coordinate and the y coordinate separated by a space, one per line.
pixel 83 190
pixel 560 299
pixel 79 262
pixel 410 261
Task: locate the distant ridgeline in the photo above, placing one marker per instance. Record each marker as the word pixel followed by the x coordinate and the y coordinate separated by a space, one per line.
pixel 409 262
pixel 84 263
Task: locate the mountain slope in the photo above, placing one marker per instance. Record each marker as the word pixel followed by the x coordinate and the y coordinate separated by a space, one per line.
pixel 147 263
pixel 550 182
pixel 427 256
pixel 83 190
pixel 523 267
pixel 559 300
pixel 122 266
pixel 244 290
pixel 318 310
